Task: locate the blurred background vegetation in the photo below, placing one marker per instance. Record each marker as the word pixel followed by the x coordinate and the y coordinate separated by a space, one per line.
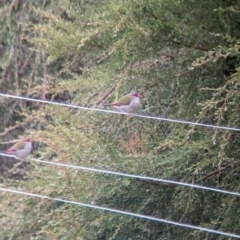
pixel 182 56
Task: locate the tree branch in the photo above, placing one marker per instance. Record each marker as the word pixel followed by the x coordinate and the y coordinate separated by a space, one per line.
pixel 216 172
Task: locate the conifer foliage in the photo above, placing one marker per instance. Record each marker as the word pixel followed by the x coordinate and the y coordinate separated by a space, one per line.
pixel 181 56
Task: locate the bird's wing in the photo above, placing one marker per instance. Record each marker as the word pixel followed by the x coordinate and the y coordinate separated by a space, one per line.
pixel 125 100
pixel 17 146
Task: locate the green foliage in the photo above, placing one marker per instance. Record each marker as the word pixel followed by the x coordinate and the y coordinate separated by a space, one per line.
pixel 183 57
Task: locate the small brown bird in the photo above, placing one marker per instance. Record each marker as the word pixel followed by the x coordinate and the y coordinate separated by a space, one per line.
pixel 128 103
pixel 21 149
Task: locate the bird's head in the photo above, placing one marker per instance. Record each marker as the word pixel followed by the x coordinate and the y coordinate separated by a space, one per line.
pixel 135 94
pixel 28 140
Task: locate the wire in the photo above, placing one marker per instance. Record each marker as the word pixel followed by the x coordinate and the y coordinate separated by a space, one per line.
pixel 131 176
pixel 122 212
pixel 109 111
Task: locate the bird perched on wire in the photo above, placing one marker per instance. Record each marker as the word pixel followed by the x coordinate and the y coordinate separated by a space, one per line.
pixel 21 149
pixel 128 103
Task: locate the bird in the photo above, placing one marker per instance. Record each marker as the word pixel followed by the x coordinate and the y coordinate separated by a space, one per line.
pixel 21 149
pixel 128 103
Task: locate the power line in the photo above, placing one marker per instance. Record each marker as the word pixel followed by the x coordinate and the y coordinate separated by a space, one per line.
pixel 115 112
pixel 132 176
pixel 122 212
